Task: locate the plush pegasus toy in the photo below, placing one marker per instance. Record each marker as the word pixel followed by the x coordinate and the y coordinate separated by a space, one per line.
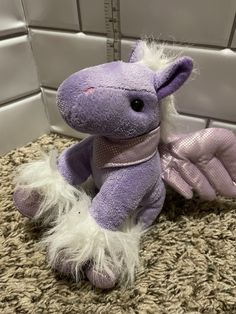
pixel 134 149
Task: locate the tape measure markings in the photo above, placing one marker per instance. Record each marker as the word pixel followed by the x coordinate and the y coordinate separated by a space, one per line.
pixel 112 24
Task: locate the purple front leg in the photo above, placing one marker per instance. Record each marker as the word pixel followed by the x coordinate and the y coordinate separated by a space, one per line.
pixel 124 189
pixel 152 204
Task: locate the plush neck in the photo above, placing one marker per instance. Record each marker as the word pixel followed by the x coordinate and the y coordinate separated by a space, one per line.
pixel 125 152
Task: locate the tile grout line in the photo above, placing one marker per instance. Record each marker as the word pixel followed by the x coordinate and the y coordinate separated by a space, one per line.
pixel 20 98
pixel 66 31
pixel 56 29
pixel 14 35
pixel 208 121
pixel 179 43
pixel 231 36
pixel 79 15
pixel 90 33
pixel 205 117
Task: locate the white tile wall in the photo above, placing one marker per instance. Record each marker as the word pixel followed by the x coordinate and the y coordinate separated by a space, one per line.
pixel 52 13
pixel 60 54
pixel 21 122
pixel 218 124
pixel 187 124
pixel 203 21
pixel 211 92
pixel 57 124
pixel 11 17
pixel 92 15
pixel 18 75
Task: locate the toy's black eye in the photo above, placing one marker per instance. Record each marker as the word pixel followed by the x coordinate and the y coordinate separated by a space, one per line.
pixel 137 105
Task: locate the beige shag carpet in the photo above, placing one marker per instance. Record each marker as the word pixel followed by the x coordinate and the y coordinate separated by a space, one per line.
pixel 188 258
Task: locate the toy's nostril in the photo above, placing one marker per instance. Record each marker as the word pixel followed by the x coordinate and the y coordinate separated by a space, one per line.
pixel 89 90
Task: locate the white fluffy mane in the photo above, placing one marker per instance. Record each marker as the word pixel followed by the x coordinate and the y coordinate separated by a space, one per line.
pixel 156 57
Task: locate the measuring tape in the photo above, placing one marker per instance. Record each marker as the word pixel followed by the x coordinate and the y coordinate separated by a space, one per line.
pixel 112 23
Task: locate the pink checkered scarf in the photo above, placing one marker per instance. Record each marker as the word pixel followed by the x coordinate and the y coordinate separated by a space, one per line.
pixel 125 152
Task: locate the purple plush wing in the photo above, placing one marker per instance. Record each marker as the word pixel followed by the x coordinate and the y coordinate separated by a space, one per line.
pixel 203 162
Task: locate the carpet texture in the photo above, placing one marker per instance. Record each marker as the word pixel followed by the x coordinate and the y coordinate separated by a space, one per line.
pixel 188 258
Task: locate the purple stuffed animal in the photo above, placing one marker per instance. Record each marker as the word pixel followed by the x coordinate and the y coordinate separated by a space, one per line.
pixel 128 109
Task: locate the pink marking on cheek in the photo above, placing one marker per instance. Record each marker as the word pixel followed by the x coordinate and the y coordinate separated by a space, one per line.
pixel 89 90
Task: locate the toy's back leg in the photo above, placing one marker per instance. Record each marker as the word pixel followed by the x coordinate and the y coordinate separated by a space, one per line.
pixel 152 204
pixel 27 204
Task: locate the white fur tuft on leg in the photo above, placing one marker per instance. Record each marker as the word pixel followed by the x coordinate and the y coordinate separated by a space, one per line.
pixel 74 231
pixel 81 239
pixel 42 176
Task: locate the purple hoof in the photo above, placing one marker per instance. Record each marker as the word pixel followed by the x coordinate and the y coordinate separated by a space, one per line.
pixel 102 280
pixel 67 268
pixel 27 205
pixel 64 266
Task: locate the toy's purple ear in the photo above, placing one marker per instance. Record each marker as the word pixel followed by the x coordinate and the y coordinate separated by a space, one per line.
pixel 173 77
